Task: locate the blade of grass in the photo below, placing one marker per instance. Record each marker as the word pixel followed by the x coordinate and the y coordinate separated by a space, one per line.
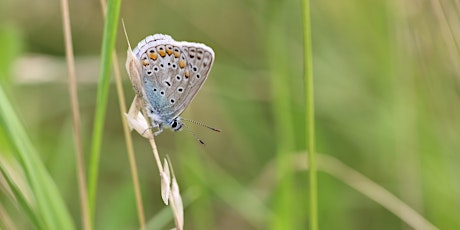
pixel 108 44
pixel 310 113
pixel 21 199
pixel 50 206
pixel 284 131
pixel 371 190
pixel 231 191
pixel 350 177
pixel 127 134
pixel 129 146
pixel 126 131
pixel 75 116
pixel 193 166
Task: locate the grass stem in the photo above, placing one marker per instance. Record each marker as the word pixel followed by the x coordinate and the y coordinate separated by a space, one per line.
pixel 108 44
pixel 310 113
pixel 75 116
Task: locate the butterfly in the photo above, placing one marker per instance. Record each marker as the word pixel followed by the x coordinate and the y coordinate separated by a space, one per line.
pixel 170 75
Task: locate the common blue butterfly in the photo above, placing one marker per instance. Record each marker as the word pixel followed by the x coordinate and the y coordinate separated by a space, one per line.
pixel 171 75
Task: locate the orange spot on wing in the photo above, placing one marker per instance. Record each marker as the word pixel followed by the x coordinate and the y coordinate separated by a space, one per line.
pixel 187 74
pixel 162 53
pixel 176 54
pixel 181 64
pixel 153 56
pixel 169 51
pixel 145 63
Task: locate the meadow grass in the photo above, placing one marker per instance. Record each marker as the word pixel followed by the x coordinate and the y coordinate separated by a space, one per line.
pixel 383 109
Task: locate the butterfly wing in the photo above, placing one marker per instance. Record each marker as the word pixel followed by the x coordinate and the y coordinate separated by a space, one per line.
pixel 196 60
pixel 156 64
pixel 172 74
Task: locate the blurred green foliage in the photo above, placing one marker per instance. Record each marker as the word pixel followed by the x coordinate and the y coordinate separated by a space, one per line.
pixel 387 104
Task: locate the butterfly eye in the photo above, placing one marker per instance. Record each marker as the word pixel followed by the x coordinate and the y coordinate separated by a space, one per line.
pixel 174 124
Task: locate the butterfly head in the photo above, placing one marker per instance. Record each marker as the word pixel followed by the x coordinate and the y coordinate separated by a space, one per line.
pixel 176 124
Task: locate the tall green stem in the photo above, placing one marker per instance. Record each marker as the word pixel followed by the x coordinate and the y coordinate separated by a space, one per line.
pixel 108 44
pixel 310 120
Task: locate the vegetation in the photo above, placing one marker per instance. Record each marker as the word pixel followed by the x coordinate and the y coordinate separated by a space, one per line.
pixel 386 117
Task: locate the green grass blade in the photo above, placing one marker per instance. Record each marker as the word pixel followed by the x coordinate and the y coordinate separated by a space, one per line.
pixel 280 77
pixel 310 113
pixel 108 44
pixel 18 195
pixel 50 206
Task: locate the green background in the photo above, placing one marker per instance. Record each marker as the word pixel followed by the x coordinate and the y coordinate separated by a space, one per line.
pixel 387 104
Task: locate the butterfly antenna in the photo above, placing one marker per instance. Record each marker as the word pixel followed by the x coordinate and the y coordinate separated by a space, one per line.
pixel 201 124
pixel 193 134
pixel 126 34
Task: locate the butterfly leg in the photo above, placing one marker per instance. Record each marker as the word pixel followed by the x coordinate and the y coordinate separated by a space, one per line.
pixel 160 129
